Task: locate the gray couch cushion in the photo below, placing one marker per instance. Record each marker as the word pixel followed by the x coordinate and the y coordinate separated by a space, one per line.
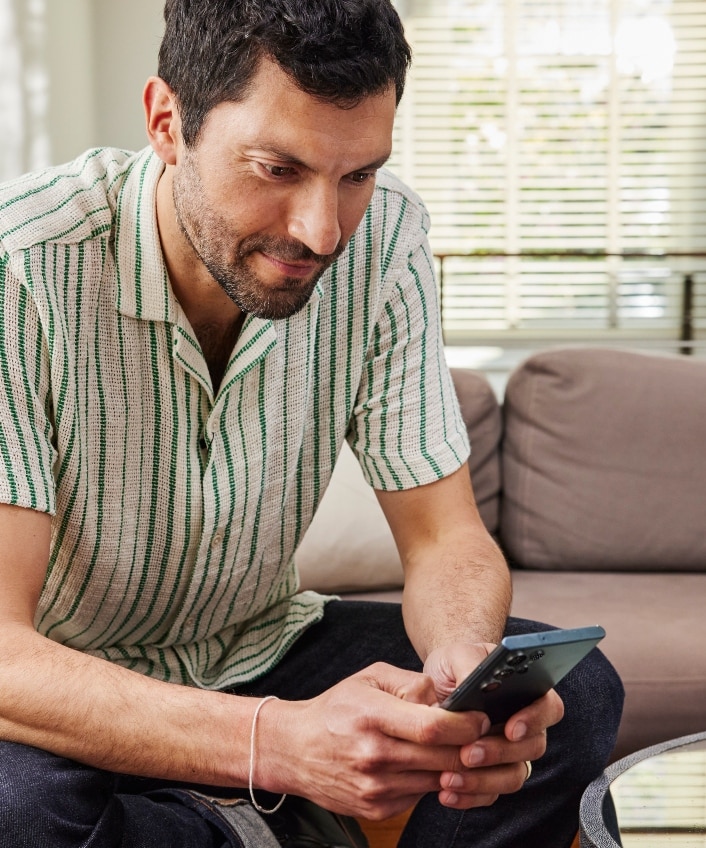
pixel 483 420
pixel 604 462
pixel 654 632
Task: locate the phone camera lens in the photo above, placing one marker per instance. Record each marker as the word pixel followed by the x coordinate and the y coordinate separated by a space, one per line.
pixel 490 685
pixel 518 659
pixel 504 672
pixel 523 670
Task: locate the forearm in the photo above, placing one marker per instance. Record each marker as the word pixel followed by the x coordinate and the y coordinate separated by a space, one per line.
pixel 457 584
pixel 369 746
pixel 456 590
pixel 87 709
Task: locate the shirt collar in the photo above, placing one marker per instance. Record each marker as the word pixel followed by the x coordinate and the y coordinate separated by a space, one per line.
pixel 143 283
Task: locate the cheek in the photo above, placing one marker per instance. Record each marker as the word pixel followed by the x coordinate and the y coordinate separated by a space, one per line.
pixel 242 219
pixel 351 211
pixel 243 204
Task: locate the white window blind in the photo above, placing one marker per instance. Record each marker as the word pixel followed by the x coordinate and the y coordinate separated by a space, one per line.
pixel 531 126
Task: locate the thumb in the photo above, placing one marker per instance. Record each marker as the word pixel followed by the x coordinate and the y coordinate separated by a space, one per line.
pixel 450 665
pixel 412 686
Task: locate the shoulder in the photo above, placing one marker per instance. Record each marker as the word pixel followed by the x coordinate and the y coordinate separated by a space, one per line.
pixel 395 199
pixel 64 204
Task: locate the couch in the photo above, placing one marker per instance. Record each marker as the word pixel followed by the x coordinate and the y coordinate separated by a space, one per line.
pixel 591 473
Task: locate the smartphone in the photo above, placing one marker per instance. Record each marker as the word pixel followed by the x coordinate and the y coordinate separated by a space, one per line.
pixel 522 669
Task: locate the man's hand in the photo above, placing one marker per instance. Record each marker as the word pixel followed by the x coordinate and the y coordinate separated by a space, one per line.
pixel 496 763
pixel 375 743
pixel 370 746
pixel 457 587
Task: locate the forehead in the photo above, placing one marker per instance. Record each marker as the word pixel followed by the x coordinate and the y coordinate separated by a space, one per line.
pixel 277 115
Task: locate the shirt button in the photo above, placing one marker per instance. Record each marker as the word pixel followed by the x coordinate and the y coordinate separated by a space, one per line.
pixel 217 540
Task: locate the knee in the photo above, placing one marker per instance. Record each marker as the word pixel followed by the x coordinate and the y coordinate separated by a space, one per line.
pixel 593 697
pixel 593 705
pixel 47 800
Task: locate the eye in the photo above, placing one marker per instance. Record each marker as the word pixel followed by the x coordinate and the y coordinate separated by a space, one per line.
pixel 360 177
pixel 278 171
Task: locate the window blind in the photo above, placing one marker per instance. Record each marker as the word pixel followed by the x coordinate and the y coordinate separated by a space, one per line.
pixel 575 126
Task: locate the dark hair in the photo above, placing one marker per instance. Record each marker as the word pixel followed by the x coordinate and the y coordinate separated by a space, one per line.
pixel 339 51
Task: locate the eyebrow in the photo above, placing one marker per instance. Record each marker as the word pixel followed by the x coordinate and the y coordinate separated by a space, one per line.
pixel 295 160
pixel 378 163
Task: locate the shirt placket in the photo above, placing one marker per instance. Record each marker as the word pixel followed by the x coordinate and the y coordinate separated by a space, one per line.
pixel 257 340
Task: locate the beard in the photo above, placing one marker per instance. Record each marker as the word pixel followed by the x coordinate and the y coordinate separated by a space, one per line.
pixel 226 255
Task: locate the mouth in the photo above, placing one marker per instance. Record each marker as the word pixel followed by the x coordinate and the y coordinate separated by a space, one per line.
pixel 300 269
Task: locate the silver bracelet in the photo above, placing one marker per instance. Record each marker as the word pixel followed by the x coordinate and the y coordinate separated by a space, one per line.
pixel 252 759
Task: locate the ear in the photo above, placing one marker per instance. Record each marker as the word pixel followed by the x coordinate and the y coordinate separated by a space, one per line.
pixel 162 119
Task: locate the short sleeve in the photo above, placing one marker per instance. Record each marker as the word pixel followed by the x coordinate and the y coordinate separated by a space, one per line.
pixel 26 451
pixel 407 429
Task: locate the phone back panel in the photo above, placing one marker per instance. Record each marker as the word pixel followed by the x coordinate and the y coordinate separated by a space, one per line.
pixel 522 669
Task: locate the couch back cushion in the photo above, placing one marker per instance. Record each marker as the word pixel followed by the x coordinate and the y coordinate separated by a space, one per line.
pixel 604 462
pixel 349 546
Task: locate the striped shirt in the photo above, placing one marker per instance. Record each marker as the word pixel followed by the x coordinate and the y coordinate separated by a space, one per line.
pixel 176 514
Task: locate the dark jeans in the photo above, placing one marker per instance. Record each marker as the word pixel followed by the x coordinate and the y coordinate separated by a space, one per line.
pixel 50 802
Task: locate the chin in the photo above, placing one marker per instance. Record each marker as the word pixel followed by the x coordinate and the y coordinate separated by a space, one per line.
pixel 273 308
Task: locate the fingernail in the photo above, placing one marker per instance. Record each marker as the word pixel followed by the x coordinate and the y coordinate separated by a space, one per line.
pixel 456 782
pixel 519 731
pixel 485 727
pixel 476 757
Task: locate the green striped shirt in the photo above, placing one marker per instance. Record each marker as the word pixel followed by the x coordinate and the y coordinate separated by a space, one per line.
pixel 176 514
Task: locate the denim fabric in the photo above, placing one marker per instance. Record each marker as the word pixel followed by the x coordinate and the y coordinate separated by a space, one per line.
pixel 50 801
pixel 237 818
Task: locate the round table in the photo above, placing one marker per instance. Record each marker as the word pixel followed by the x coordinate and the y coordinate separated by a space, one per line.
pixel 655 798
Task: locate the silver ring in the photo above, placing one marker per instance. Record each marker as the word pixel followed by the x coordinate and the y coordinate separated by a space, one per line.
pixel 528 766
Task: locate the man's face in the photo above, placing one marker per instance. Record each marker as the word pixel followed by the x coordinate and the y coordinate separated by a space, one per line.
pixel 275 187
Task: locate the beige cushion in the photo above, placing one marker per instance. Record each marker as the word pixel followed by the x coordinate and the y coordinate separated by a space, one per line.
pixel 349 546
pixel 655 628
pixel 604 462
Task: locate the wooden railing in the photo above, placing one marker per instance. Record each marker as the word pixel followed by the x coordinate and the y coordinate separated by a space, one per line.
pixel 686 329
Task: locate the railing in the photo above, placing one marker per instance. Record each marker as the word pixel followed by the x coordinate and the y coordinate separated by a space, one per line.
pixel 687 312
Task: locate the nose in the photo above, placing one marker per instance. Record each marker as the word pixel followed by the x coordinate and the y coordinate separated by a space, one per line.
pixel 313 219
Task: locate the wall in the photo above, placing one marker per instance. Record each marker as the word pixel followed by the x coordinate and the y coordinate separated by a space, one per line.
pixel 127 37
pixel 99 54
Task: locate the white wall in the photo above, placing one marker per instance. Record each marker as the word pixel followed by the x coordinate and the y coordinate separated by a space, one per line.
pixel 70 115
pixel 99 54
pixel 127 34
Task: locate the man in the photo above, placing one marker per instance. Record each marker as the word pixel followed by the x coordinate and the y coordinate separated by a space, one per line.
pixel 187 335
